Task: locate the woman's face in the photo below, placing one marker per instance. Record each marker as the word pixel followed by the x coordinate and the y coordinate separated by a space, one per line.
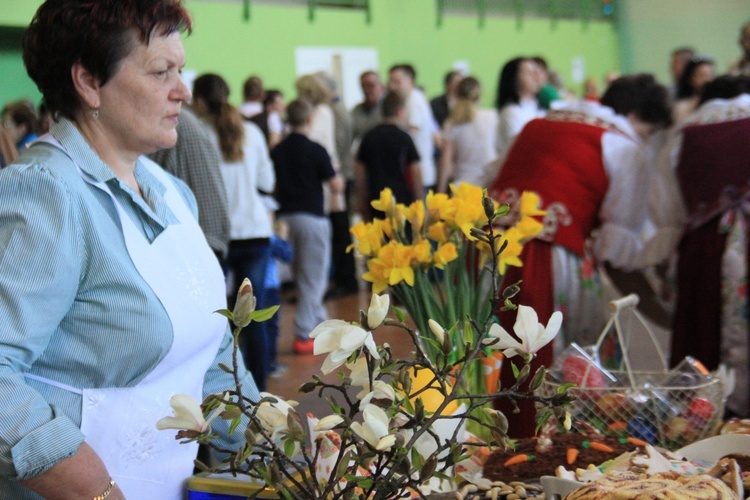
pixel 140 105
pixel 528 79
pixel 702 75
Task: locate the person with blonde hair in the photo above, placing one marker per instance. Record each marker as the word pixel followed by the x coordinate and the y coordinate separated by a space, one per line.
pixel 469 145
pixel 246 169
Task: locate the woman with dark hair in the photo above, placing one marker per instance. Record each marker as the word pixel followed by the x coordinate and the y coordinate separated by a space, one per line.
pixel 697 73
pixel 516 101
pixel 108 285
pixel 703 198
pixel 588 164
pixel 20 120
pixel 247 170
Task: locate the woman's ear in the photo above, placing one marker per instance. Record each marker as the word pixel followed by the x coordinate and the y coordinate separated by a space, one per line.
pixel 87 85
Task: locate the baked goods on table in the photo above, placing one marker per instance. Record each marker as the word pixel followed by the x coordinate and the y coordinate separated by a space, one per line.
pixel 707 458
pixel 533 458
pixel 666 485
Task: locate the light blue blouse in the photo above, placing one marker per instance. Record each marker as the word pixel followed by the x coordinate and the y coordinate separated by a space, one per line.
pixel 74 308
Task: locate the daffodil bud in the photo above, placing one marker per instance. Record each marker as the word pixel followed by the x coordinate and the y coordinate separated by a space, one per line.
pixel 245 304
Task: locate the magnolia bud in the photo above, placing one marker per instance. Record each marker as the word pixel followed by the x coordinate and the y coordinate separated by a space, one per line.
pixel 511 291
pixel 245 304
pixel 489 207
pixel 437 330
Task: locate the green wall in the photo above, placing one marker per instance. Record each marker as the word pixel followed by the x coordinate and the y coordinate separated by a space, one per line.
pixel 649 31
pixel 401 30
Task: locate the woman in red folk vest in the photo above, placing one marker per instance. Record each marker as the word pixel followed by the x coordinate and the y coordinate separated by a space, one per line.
pixel 589 165
pixel 706 196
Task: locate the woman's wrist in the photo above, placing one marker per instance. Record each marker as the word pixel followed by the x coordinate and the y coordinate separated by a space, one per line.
pixel 107 492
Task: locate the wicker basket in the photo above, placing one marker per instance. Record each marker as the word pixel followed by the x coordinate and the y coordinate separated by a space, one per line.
pixel 665 408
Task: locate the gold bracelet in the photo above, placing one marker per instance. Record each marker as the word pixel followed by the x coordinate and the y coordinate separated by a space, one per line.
pixel 107 491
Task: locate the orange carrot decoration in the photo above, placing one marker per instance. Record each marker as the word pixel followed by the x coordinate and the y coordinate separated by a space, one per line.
pixel 637 442
pixel 601 447
pixel 518 459
pixel 572 454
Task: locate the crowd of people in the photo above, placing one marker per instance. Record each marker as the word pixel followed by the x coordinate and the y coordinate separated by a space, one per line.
pixel 136 257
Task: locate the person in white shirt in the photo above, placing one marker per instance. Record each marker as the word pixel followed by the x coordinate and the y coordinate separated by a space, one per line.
pixel 422 125
pixel 469 145
pixel 252 92
pixel 516 101
pixel 247 170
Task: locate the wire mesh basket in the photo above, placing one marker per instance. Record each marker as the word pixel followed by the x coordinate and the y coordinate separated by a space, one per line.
pixel 668 408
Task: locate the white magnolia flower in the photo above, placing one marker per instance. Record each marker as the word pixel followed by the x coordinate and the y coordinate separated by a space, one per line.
pixel 273 416
pixel 437 330
pixel 187 415
pixel 380 390
pixel 378 310
pixel 340 339
pixel 359 375
pixel 533 334
pixel 374 429
pixel 328 423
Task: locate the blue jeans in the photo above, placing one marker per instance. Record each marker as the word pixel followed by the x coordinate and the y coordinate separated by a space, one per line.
pixel 249 259
pixel 272 297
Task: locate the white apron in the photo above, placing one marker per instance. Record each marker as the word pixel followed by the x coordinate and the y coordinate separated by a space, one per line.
pixel 120 423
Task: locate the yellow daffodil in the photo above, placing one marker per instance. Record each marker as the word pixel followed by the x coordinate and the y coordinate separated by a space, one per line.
pixel 422 252
pixel 400 260
pixel 528 205
pixel 511 255
pixel 528 208
pixel 444 254
pixel 440 206
pixel 386 203
pixel 377 274
pixel 415 214
pixel 469 211
pixel 368 237
pixel 438 232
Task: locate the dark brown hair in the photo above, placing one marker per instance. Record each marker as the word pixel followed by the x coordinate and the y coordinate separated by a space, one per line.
pixel 22 113
pixel 97 33
pixel 641 95
pixel 226 119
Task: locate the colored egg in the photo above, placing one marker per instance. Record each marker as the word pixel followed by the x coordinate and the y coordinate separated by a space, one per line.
pixel 700 411
pixel 582 372
pixel 679 429
pixel 642 428
pixel 613 406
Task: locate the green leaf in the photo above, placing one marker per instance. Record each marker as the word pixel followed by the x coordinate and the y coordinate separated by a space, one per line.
pixel 515 370
pixel 264 314
pixel 564 387
pixel 235 423
pixel 289 447
pixel 226 313
pixel 365 483
pixel 416 459
pixel 400 315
